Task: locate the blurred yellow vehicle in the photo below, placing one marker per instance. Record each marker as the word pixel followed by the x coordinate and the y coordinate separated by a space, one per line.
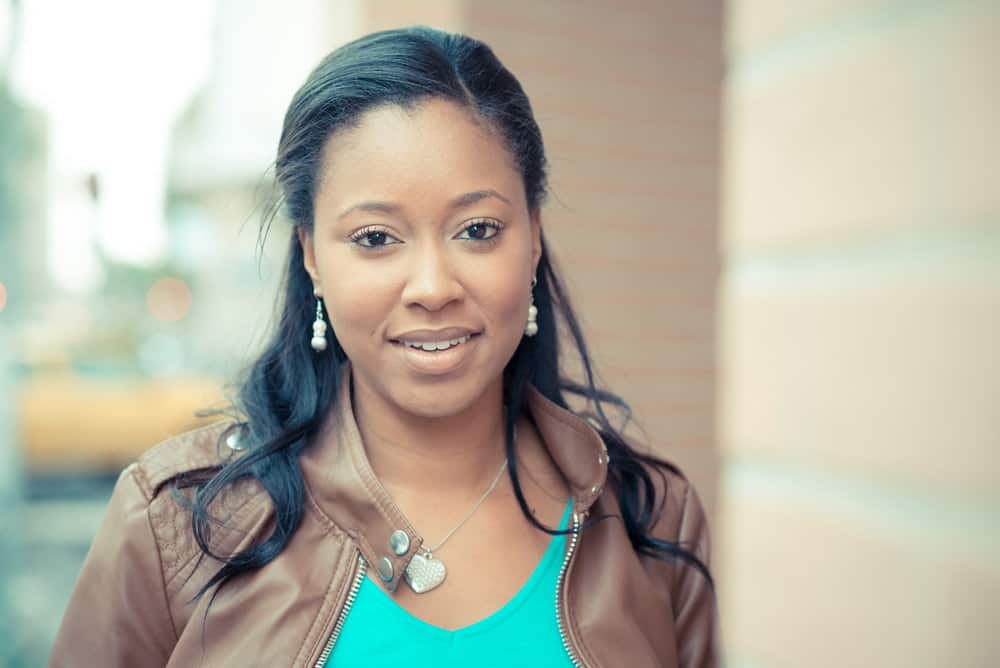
pixel 68 422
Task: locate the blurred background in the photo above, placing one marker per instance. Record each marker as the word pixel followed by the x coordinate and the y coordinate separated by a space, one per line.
pixel 780 222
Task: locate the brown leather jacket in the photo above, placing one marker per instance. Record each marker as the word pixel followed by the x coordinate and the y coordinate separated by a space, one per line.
pixel 129 607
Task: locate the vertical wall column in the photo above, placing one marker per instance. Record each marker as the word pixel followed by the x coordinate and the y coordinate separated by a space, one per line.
pixel 859 334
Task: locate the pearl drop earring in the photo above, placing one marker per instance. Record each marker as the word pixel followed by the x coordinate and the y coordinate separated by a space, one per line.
pixel 319 326
pixel 531 328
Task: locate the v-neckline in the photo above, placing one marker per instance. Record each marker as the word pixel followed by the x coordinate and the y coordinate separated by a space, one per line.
pixel 493 619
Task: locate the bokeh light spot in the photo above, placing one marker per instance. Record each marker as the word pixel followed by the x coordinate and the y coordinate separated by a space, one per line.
pixel 169 299
pixel 3 296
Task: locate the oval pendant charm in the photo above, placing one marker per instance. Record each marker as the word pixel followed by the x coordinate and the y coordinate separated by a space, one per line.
pixel 424 572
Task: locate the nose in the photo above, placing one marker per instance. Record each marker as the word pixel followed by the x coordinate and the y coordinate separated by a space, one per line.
pixel 431 282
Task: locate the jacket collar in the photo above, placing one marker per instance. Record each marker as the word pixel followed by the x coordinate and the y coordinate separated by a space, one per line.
pixel 343 488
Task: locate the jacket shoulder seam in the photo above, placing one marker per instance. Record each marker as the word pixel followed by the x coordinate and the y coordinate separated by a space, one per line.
pixel 141 481
pixel 138 476
pixel 163 579
pixel 160 464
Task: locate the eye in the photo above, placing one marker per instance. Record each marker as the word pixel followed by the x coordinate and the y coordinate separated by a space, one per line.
pixel 372 237
pixel 481 230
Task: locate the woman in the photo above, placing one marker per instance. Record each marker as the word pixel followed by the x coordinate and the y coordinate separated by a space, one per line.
pixel 402 477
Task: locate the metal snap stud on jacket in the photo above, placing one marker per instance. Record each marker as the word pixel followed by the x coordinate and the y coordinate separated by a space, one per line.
pixel 400 542
pixel 384 568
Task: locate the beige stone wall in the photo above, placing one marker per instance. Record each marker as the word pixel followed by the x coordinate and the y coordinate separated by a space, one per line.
pixel 627 96
pixel 860 315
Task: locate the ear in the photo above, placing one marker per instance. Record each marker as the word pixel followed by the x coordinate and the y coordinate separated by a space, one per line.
pixel 308 253
pixel 536 240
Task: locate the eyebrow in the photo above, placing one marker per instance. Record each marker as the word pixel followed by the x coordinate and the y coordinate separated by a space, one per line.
pixel 456 203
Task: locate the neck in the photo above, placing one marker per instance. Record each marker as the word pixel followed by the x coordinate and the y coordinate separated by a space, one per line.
pixel 451 456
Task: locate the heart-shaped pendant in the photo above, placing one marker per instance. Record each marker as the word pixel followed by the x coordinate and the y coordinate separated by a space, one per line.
pixel 424 572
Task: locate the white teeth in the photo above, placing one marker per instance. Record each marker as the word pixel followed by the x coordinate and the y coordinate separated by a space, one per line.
pixel 443 345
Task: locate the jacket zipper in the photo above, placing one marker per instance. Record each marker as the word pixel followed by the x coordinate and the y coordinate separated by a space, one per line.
pixel 563 633
pixel 359 576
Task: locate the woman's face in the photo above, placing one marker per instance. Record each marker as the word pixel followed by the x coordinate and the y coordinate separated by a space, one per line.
pixel 421 226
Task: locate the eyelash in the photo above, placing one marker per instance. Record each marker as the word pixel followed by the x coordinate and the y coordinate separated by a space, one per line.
pixel 363 233
pixel 485 222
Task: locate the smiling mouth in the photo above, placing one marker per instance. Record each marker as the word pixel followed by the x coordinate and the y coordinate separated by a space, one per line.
pixel 435 346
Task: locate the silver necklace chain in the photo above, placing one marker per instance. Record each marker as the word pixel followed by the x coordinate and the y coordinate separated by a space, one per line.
pixel 469 514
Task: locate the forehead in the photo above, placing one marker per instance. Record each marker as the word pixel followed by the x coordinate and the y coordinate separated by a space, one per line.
pixel 436 148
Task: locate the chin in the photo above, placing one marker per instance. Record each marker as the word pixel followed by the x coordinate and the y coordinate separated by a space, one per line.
pixel 445 400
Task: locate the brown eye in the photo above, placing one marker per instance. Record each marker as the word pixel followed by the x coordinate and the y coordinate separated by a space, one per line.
pixel 481 230
pixel 372 239
pixel 375 238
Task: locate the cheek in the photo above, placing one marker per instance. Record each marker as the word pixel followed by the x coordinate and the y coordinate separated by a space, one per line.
pixel 357 309
pixel 505 303
pixel 502 291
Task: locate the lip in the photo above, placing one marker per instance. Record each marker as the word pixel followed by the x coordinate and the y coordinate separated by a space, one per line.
pixel 439 362
pixel 433 335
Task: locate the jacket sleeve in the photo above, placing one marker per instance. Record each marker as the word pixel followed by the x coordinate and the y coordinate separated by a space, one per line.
pixel 695 608
pixel 117 614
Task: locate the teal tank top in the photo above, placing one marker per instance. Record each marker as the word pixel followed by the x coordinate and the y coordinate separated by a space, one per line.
pixel 378 633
